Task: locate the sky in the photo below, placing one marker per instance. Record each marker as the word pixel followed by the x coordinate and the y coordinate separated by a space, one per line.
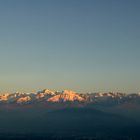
pixel 81 45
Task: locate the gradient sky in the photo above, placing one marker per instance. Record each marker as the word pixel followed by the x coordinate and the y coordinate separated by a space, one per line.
pixel 83 45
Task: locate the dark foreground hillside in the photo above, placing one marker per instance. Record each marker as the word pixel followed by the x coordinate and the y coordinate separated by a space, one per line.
pixel 69 123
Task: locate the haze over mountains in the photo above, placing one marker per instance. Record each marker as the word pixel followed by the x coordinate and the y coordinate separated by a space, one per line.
pixel 69 115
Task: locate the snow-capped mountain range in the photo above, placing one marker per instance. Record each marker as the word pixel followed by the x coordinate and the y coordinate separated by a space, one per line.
pixel 47 111
pixel 49 96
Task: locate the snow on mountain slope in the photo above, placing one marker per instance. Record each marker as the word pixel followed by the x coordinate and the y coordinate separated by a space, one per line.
pixel 4 97
pixel 66 95
pixel 45 93
pixel 24 99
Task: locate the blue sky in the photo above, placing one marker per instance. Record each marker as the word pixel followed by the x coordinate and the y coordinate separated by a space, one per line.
pixel 83 45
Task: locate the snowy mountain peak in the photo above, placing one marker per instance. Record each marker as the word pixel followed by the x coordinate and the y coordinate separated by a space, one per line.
pixel 23 99
pixel 44 93
pixel 66 95
pixel 47 92
pixel 4 97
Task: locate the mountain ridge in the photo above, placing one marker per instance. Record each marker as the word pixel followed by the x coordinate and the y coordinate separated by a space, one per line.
pixel 50 96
